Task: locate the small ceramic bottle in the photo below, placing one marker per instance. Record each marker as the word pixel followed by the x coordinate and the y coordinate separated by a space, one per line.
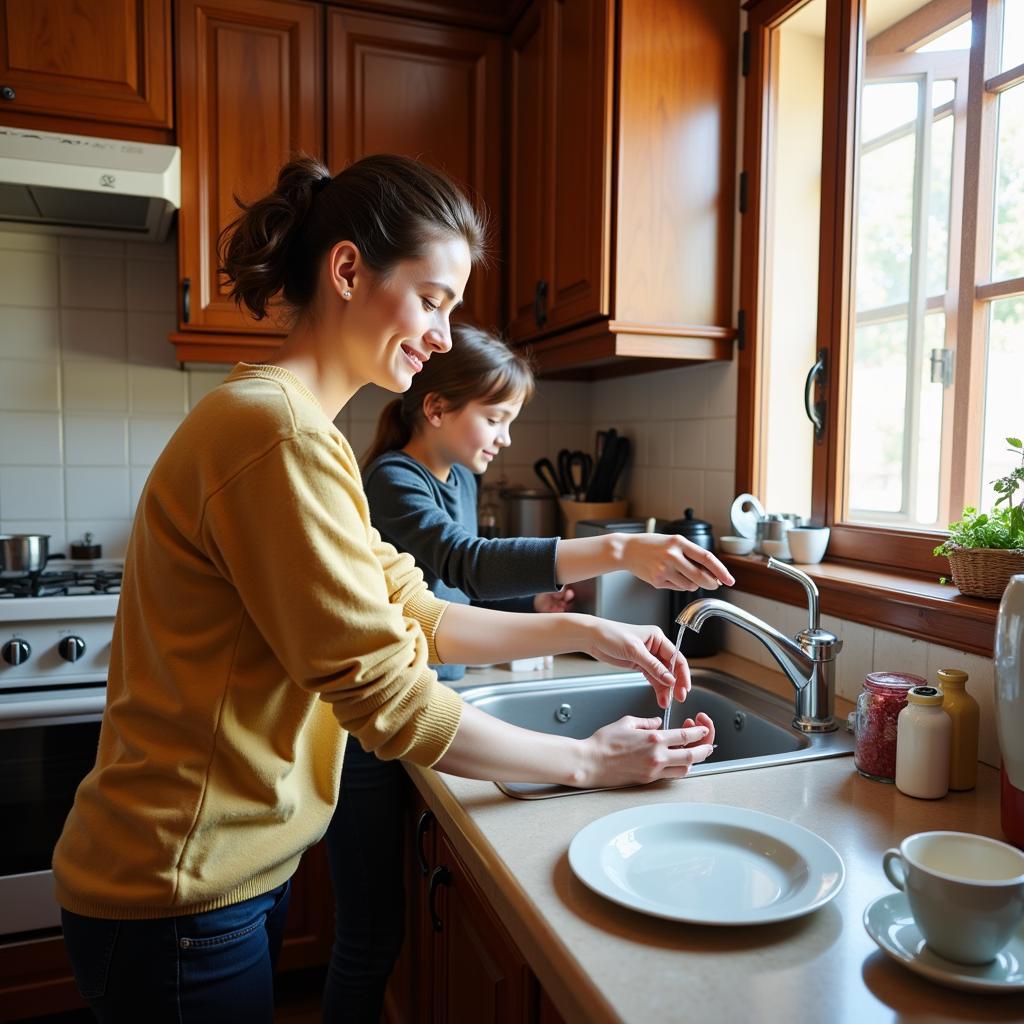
pixel 963 713
pixel 922 745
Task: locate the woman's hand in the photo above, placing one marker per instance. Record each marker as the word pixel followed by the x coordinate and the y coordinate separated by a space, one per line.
pixel 560 601
pixel 641 648
pixel 635 751
pixel 702 720
pixel 668 560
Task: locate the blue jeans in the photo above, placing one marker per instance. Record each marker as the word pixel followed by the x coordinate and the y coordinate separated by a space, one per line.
pixel 197 969
pixel 365 844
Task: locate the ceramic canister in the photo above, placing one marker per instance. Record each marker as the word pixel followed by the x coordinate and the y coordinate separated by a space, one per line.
pixel 1009 695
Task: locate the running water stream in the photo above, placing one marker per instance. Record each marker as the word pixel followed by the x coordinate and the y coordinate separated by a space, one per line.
pixel 667 713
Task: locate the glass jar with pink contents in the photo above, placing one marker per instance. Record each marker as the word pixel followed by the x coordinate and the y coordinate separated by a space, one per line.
pixel 874 722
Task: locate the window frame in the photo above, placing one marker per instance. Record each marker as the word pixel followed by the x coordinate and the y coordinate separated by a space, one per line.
pixel 895 554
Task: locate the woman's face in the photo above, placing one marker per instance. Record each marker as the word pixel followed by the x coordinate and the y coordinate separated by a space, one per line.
pixel 475 434
pixel 404 315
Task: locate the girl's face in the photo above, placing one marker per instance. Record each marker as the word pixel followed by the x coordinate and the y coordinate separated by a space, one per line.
pixel 404 315
pixel 474 434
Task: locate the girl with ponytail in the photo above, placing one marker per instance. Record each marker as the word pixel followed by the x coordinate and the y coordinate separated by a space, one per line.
pixel 262 619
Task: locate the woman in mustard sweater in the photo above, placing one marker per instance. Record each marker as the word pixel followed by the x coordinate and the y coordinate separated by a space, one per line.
pixel 262 619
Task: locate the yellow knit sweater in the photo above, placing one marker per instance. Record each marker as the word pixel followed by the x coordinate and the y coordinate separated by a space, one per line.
pixel 261 619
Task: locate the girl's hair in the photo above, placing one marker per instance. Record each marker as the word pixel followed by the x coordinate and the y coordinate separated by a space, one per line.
pixel 479 367
pixel 391 207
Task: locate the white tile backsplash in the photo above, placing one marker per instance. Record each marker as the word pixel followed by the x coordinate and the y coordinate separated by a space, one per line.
pixel 95 440
pixel 87 379
pixel 27 333
pixel 29 385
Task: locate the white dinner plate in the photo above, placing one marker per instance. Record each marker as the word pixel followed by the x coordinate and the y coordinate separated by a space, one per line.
pixel 706 863
pixel 890 923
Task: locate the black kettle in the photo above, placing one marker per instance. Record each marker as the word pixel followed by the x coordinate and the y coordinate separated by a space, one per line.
pixel 709 640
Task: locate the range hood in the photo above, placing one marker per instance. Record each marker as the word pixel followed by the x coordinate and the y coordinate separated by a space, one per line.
pixel 80 185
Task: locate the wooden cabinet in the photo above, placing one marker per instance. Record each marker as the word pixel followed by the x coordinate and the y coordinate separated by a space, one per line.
pixel 458 965
pixel 249 75
pixel 64 61
pixel 428 91
pixel 622 164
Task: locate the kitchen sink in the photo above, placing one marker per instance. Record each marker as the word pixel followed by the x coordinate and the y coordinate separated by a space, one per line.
pixel 753 728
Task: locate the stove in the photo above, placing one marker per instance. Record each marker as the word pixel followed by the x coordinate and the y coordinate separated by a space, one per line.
pixel 55 633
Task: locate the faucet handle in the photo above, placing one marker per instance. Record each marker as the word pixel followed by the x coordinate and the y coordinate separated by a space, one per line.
pixel 813 618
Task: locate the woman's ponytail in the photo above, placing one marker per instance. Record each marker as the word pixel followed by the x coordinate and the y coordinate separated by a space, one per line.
pixel 390 207
pixel 393 433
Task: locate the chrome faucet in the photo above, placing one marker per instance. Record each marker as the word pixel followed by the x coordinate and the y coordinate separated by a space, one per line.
pixel 809 660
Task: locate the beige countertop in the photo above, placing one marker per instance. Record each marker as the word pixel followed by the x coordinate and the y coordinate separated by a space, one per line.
pixel 601 962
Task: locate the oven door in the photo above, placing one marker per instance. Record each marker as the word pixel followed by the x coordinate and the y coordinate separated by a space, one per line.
pixel 48 744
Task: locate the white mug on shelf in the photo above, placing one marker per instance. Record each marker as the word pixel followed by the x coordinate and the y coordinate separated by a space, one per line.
pixel 966 891
pixel 807 544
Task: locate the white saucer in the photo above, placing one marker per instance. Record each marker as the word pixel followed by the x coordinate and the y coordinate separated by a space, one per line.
pixel 889 922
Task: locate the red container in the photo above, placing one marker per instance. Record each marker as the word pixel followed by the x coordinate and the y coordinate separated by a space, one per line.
pixel 878 706
pixel 1011 809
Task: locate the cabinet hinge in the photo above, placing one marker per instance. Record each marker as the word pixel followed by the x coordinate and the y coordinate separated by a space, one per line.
pixel 741 329
pixel 746 54
pixel 743 192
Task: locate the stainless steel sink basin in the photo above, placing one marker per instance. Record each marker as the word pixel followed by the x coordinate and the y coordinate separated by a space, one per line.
pixel 754 728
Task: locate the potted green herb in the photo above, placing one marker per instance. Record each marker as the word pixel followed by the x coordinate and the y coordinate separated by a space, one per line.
pixel 985 550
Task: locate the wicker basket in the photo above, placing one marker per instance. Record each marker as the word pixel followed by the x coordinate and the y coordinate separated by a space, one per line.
pixel 984 572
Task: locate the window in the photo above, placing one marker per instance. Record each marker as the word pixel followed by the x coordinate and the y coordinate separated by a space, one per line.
pixel 882 278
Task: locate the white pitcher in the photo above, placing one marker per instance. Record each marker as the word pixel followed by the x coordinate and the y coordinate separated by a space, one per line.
pixel 1009 681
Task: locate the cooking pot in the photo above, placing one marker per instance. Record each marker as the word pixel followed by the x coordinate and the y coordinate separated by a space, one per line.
pixel 708 641
pixel 23 553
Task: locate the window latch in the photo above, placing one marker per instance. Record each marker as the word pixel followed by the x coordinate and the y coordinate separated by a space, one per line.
pixel 816 410
pixel 942 366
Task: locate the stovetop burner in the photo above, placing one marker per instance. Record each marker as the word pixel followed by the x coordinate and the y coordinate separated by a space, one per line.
pixel 62 583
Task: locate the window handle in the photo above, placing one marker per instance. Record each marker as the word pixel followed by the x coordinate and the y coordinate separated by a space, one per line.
pixel 816 410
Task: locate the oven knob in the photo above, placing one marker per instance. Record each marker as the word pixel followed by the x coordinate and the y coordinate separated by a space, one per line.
pixel 16 651
pixel 71 648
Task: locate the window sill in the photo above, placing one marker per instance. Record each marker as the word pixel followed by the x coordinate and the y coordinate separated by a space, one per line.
pixel 914 605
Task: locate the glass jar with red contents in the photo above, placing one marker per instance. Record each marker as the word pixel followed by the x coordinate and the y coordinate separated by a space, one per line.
pixel 874 722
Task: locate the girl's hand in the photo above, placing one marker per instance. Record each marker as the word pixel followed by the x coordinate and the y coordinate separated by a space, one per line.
pixel 641 648
pixel 702 720
pixel 635 751
pixel 668 560
pixel 557 602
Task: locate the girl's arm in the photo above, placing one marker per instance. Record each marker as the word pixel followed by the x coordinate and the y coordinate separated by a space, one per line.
pixel 469 636
pixel 660 559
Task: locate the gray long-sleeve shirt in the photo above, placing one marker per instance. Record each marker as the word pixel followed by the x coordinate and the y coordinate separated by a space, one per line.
pixel 436 523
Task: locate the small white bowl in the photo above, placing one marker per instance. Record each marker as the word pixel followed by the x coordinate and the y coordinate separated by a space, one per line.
pixel 776 549
pixel 736 545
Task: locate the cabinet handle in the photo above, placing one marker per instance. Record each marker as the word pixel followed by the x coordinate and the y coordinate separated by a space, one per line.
pixel 438 877
pixel 8 93
pixel 425 822
pixel 186 299
pixel 540 303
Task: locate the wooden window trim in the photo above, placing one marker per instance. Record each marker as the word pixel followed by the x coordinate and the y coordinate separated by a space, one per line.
pixel 883 577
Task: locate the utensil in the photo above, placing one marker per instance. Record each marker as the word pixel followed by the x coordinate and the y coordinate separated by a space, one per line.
pixel 890 923
pixel 706 864
pixel 23 553
pixel 580 466
pixel 564 472
pixel 614 457
pixel 548 476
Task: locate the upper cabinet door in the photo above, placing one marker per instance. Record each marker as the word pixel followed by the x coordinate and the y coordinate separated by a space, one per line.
pixel 105 60
pixel 249 96
pixel 582 78
pixel 529 175
pixel 425 91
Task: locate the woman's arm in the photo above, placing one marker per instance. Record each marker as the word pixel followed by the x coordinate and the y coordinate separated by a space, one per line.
pixel 627 752
pixel 470 636
pixel 660 559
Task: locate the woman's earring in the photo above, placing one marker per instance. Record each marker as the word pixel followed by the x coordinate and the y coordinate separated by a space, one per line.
pixel 346 294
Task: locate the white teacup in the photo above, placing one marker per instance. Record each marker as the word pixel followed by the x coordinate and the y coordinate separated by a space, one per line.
pixel 807 544
pixel 966 891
